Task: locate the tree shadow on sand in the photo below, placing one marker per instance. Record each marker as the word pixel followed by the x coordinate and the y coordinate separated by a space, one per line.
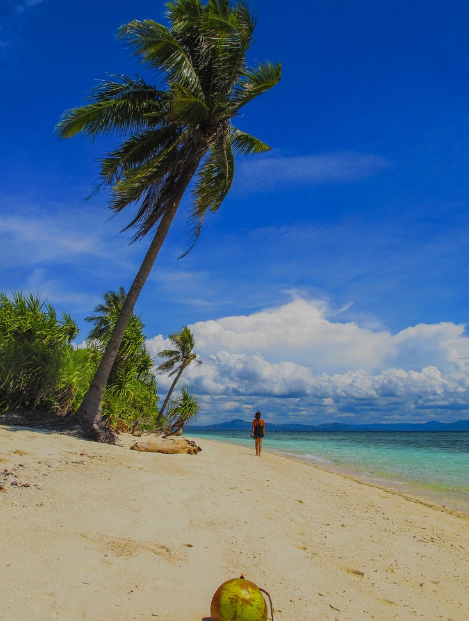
pixel 48 422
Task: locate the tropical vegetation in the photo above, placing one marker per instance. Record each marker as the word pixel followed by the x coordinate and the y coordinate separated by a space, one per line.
pixel 130 400
pixel 177 359
pixel 35 349
pixel 181 411
pixel 40 368
pixel 172 133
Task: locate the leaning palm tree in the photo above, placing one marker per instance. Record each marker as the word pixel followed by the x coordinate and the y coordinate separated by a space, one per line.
pixel 172 133
pixel 177 359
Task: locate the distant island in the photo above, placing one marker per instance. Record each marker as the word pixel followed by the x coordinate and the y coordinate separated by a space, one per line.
pixel 242 425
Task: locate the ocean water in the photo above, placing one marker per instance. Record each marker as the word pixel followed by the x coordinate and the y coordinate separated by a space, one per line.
pixel 434 465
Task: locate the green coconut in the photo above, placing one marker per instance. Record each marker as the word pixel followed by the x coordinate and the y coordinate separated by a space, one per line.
pixel 238 600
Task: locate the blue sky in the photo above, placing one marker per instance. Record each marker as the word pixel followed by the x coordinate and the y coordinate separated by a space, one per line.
pixel 332 283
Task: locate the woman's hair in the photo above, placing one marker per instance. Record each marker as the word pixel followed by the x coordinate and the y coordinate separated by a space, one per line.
pixel 258 415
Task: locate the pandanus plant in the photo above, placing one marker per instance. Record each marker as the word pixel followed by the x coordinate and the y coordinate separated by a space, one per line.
pixel 172 133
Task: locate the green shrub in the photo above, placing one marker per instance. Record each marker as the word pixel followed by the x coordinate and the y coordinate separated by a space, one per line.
pixel 130 404
pixel 130 401
pixel 181 411
pixel 78 369
pixel 34 344
pixel 40 369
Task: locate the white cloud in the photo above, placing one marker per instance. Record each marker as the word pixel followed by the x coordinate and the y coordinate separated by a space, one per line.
pixel 439 344
pixel 341 167
pixel 240 374
pixel 309 333
pixel 391 395
pixel 157 344
pixel 304 364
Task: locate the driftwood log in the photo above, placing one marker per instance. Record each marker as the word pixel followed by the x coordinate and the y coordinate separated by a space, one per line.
pixel 169 446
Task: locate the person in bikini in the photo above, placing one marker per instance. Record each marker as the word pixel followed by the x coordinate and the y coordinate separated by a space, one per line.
pixel 258 432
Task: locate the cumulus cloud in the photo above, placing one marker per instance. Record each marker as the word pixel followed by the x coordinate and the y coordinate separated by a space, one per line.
pixel 297 355
pixel 309 333
pixel 239 374
pixel 391 395
pixel 341 167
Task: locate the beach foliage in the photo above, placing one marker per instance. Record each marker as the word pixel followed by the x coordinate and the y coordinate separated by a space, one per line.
pixel 35 345
pixel 177 359
pixel 130 399
pixel 181 411
pixel 171 133
pixel 40 369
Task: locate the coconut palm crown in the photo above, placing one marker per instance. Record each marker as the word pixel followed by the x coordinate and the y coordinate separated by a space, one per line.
pixel 172 133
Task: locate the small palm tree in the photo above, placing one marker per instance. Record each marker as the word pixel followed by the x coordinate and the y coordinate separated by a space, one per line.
pixel 106 314
pixel 172 134
pixel 182 411
pixel 132 347
pixel 130 397
pixel 177 359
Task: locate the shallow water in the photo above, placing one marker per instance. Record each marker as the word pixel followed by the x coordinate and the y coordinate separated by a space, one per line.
pixel 432 464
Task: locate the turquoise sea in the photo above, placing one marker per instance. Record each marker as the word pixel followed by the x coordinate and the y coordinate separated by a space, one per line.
pixel 434 465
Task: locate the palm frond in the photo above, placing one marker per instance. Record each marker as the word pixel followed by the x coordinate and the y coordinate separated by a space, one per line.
pixel 167 367
pixel 138 149
pixel 255 82
pixel 229 32
pixel 160 50
pixel 213 183
pixel 238 21
pixel 185 18
pixel 183 341
pixel 186 108
pixel 245 144
pixel 246 17
pixel 136 181
pixel 168 353
pixel 116 107
pixel 154 184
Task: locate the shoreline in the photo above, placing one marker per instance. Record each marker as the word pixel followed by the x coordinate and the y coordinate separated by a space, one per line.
pixel 448 501
pixel 362 480
pixel 95 531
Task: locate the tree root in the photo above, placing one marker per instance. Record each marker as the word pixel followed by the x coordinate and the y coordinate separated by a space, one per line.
pixel 98 433
pixel 66 425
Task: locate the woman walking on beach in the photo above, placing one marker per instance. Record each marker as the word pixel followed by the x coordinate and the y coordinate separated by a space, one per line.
pixel 258 432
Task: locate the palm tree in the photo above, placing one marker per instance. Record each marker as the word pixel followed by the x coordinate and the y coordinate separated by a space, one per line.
pixel 182 411
pixel 174 133
pixel 106 314
pixel 132 348
pixel 177 359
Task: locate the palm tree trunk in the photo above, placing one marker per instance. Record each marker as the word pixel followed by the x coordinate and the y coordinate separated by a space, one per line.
pixel 89 412
pixel 170 392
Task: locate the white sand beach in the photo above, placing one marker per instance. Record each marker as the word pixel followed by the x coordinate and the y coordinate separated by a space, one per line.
pixel 100 532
